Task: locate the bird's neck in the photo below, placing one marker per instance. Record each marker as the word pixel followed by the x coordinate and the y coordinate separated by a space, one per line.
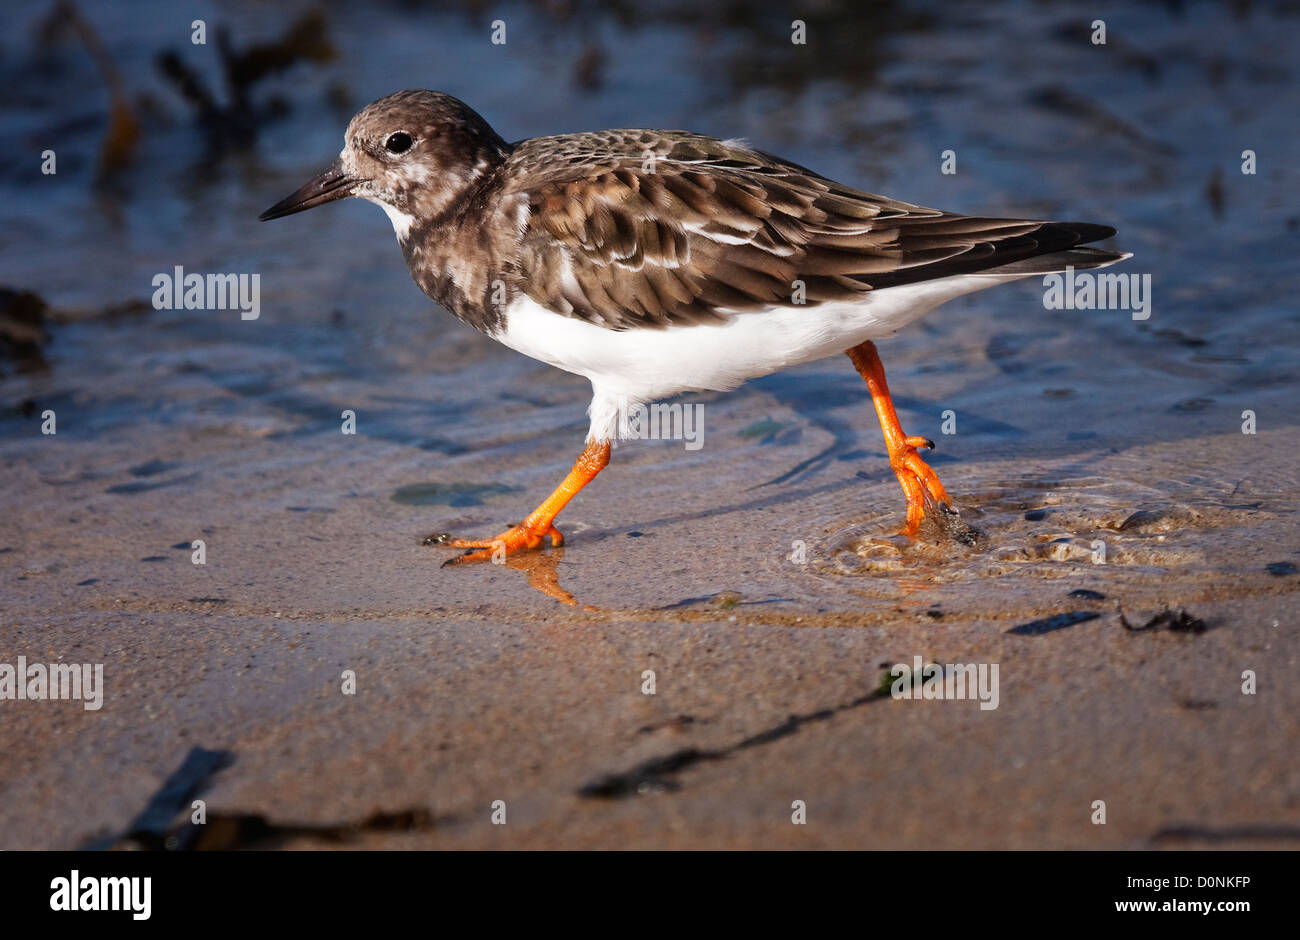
pixel 465 258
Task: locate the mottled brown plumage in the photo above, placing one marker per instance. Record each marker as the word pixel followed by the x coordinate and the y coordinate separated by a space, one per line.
pixel 630 228
pixel 641 228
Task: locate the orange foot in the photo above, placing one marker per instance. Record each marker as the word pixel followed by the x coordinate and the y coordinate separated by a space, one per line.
pixel 920 484
pixel 530 533
pixel 512 540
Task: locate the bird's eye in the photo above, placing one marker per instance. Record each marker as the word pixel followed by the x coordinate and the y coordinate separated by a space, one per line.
pixel 398 143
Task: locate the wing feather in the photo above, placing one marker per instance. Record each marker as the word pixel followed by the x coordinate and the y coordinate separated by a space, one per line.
pixel 652 228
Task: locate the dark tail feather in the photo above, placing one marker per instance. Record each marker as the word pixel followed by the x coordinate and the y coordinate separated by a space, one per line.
pixel 1079 258
pixel 1046 248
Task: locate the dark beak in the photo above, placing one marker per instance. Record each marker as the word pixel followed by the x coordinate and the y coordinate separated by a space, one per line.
pixel 330 185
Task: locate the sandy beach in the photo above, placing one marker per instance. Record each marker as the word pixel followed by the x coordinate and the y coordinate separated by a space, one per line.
pixel 1132 483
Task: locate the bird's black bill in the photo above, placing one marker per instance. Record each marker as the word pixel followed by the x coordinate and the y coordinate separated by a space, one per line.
pixel 330 185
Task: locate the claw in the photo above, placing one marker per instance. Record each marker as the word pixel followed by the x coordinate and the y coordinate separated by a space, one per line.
pixel 470 556
pixel 515 539
pixel 920 484
pixel 537 527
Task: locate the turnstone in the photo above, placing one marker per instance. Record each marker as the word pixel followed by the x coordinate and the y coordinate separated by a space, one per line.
pixel 658 262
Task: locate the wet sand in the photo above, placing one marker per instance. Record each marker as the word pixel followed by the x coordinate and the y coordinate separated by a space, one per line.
pixel 523 682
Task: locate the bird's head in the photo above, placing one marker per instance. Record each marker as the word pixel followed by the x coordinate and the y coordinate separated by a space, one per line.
pixel 414 153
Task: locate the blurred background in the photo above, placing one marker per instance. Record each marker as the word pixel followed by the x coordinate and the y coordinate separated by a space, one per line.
pixel 167 150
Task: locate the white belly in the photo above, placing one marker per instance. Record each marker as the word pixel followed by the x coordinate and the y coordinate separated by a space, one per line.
pixel 650 364
pixel 630 367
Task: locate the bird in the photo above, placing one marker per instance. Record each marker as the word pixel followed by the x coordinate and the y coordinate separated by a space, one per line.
pixel 659 262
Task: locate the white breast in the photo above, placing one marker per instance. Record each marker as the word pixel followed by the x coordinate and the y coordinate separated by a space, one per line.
pixel 402 221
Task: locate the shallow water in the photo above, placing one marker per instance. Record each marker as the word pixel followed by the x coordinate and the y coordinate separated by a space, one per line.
pixel 1144 133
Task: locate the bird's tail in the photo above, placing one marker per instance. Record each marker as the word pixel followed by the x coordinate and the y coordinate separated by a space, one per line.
pixel 1078 258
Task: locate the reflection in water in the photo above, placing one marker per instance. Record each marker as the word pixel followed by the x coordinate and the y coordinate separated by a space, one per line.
pixel 542 569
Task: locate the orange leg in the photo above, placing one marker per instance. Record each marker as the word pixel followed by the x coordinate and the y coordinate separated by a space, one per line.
pixel 531 532
pixel 920 484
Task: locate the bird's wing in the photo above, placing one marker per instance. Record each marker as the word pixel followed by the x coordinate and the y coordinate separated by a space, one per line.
pixel 644 228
